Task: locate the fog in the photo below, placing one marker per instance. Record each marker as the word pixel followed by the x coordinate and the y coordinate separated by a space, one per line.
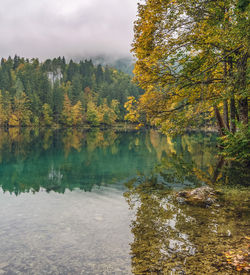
pixel 73 28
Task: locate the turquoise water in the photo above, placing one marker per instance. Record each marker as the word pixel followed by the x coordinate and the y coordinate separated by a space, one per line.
pixel 82 202
pixel 73 159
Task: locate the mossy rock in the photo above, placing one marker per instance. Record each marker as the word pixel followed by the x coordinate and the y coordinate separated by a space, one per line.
pixel 202 196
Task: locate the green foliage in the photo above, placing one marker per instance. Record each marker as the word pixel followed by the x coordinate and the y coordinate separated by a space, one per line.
pixel 108 114
pixel 190 58
pixel 243 4
pixel 237 146
pixel 93 116
pixel 192 62
pixel 21 110
pixel 47 115
pixel 115 107
pixel 36 92
pixel 5 108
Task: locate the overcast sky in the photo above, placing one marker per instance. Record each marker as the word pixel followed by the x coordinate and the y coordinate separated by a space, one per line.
pixel 50 28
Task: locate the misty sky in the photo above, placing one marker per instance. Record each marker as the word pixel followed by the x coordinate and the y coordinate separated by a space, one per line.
pixel 50 28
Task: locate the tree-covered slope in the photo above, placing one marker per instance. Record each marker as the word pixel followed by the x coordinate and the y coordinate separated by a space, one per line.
pixel 56 92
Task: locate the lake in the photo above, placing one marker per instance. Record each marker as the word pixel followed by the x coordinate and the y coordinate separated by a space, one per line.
pixel 104 202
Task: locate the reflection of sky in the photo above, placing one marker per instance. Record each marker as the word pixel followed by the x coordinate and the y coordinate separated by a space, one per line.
pixel 89 232
pixel 181 243
pixel 177 238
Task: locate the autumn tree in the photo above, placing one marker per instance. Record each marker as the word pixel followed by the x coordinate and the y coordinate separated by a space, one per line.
pixel 5 108
pixel 22 114
pixel 115 106
pixel 47 115
pixel 31 88
pixel 77 114
pixel 2 113
pixel 92 115
pixel 192 59
pixel 108 115
pixel 67 118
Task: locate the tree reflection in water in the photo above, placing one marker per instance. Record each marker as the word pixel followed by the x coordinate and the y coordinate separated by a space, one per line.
pixel 168 236
pixel 28 158
pixel 55 160
pixel 174 238
pixel 181 238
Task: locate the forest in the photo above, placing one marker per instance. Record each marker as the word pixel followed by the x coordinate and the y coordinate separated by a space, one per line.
pixel 124 163
pixel 193 63
pixel 56 93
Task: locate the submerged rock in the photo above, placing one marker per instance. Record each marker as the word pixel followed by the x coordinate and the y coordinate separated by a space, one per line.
pixel 204 195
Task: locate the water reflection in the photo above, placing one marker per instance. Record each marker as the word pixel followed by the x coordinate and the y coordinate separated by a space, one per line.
pixel 59 160
pixel 172 238
pixel 71 233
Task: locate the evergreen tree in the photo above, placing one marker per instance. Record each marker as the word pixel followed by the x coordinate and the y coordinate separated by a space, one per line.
pixel 75 91
pixel 47 115
pixel 99 74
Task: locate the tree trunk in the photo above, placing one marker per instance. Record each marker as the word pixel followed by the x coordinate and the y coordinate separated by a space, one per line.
pixel 243 110
pixel 225 103
pixel 225 113
pixel 232 100
pixel 243 101
pixel 220 122
pixel 218 169
pixel 232 115
pixel 237 114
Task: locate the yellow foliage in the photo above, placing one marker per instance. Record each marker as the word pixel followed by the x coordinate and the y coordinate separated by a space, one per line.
pixel 14 121
pixel 183 60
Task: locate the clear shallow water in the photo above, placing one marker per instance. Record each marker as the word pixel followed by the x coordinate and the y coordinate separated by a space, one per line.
pixel 73 233
pixel 101 202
